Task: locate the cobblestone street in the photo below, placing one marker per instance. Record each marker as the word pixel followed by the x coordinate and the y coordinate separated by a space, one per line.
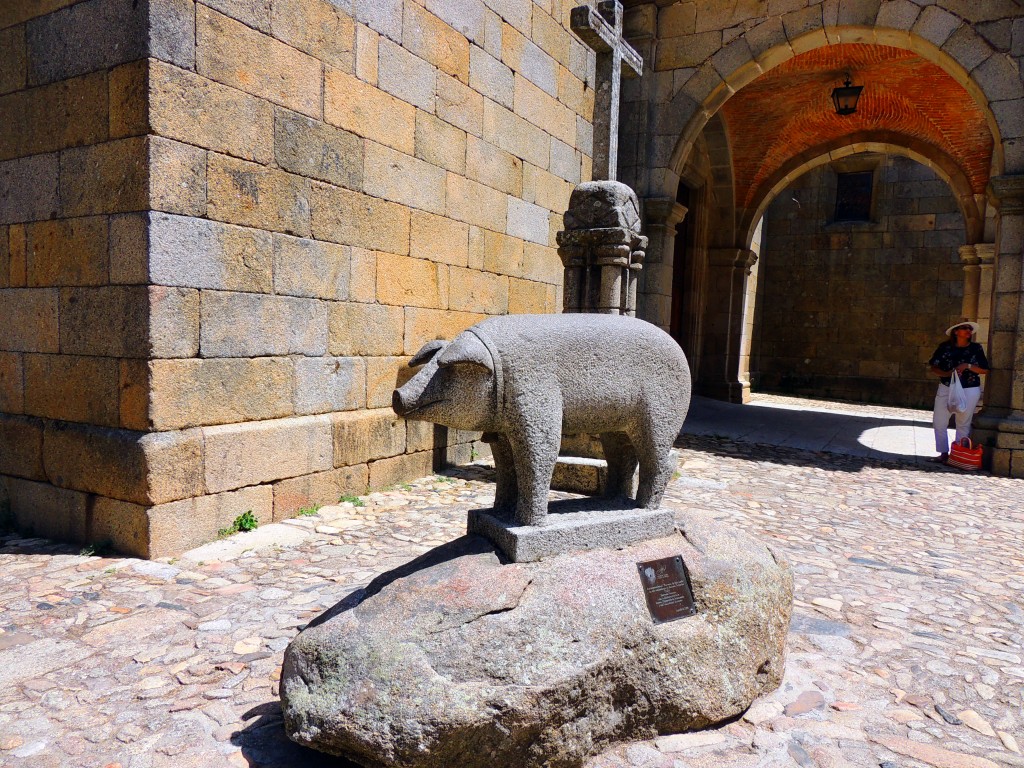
pixel 905 648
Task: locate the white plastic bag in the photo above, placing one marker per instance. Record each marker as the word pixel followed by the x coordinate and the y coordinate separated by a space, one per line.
pixel 957 397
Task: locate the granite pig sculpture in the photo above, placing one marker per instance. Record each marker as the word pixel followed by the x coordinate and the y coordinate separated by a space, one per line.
pixel 525 380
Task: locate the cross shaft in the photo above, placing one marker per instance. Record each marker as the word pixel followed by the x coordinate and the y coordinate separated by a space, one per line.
pixel 602 31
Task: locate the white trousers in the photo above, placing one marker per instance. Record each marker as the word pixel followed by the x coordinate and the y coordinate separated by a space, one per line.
pixel 941 414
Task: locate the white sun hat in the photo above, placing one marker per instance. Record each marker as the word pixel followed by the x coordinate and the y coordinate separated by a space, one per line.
pixel 974 327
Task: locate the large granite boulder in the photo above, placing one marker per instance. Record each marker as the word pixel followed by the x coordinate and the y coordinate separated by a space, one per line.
pixel 459 659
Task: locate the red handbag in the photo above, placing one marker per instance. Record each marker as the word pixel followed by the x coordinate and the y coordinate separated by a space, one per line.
pixel 964 454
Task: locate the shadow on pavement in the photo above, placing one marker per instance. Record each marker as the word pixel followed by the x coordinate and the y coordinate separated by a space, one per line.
pixel 264 743
pixel 737 448
pixel 798 434
pixel 16 545
pixel 787 436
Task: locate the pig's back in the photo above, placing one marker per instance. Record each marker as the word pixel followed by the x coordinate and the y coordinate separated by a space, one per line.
pixel 592 359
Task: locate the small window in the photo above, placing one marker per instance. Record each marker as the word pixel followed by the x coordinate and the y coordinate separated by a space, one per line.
pixel 853 196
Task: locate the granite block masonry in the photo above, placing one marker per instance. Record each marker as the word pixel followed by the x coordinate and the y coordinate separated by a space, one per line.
pixel 524 380
pixel 236 214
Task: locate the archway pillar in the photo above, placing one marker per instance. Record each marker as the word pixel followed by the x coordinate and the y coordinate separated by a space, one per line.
pixel 986 253
pixel 978 261
pixel 728 269
pixel 1001 425
pixel 661 215
pixel 972 281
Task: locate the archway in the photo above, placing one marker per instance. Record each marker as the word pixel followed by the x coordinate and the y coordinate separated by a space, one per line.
pixel 850 290
pixel 779 124
pixel 942 87
pixel 882 142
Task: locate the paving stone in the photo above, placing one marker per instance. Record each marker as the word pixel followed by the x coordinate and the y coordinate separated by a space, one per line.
pixel 1009 741
pixel 972 719
pixel 188 653
pixel 948 716
pixel 680 742
pixel 825 602
pixel 805 702
pixel 932 755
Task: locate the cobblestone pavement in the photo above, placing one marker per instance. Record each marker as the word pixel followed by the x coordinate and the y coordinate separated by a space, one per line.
pixel 905 649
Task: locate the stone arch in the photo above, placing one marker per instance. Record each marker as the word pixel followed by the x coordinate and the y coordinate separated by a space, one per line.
pixel 724 204
pixel 695 76
pixel 876 141
pixel 998 91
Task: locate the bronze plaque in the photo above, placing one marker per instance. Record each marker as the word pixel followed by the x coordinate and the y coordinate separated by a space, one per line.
pixel 666 584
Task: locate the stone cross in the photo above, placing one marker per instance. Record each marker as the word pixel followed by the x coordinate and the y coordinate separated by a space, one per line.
pixel 602 31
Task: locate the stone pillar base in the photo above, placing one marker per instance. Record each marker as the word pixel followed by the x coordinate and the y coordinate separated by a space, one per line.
pixel 1003 438
pixel 729 391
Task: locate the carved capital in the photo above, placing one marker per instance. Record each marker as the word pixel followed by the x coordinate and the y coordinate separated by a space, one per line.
pixel 986 254
pixel 969 256
pixel 1007 193
pixel 750 261
pixel 663 211
pixel 737 258
pixel 595 237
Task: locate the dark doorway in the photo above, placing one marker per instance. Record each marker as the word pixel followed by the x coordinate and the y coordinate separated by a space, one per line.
pixel 689 275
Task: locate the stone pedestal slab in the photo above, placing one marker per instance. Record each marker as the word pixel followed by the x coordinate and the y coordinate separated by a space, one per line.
pixel 461 659
pixel 571 529
pixel 586 472
pixel 579 474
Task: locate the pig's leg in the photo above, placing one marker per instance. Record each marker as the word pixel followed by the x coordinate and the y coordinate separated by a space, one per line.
pixel 534 444
pixel 505 470
pixel 622 461
pixel 653 447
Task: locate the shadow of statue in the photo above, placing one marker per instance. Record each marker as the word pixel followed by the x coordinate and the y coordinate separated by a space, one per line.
pixel 265 744
pixel 464 545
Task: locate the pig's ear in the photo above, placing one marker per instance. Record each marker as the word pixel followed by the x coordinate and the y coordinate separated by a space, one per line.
pixel 466 349
pixel 428 350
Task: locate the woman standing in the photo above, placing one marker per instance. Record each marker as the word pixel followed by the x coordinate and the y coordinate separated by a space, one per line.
pixel 968 359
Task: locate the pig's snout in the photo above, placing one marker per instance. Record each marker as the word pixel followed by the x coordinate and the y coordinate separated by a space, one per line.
pixel 398 405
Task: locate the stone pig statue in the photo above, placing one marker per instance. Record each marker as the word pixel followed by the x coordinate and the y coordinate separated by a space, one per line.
pixel 525 380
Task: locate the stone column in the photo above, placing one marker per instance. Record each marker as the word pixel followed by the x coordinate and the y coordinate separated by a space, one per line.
pixel 977 304
pixel 972 281
pixel 661 215
pixel 1001 425
pixel 720 369
pixel 986 254
pixel 602 251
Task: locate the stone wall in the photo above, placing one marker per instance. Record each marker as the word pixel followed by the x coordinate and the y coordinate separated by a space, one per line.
pixel 74 171
pixel 225 226
pixel 853 310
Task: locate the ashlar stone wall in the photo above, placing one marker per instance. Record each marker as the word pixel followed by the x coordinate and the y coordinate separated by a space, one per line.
pixel 76 170
pixel 854 310
pixel 226 225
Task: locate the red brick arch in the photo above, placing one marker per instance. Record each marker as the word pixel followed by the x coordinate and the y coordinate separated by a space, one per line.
pixel 942 74
pixel 907 101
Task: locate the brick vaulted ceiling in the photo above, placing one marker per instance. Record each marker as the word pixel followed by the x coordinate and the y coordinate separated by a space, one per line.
pixel 907 99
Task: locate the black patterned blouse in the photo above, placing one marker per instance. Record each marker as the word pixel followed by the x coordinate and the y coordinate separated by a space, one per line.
pixel 948 356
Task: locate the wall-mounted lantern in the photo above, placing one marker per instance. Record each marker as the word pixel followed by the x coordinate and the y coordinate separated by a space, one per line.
pixel 845 97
